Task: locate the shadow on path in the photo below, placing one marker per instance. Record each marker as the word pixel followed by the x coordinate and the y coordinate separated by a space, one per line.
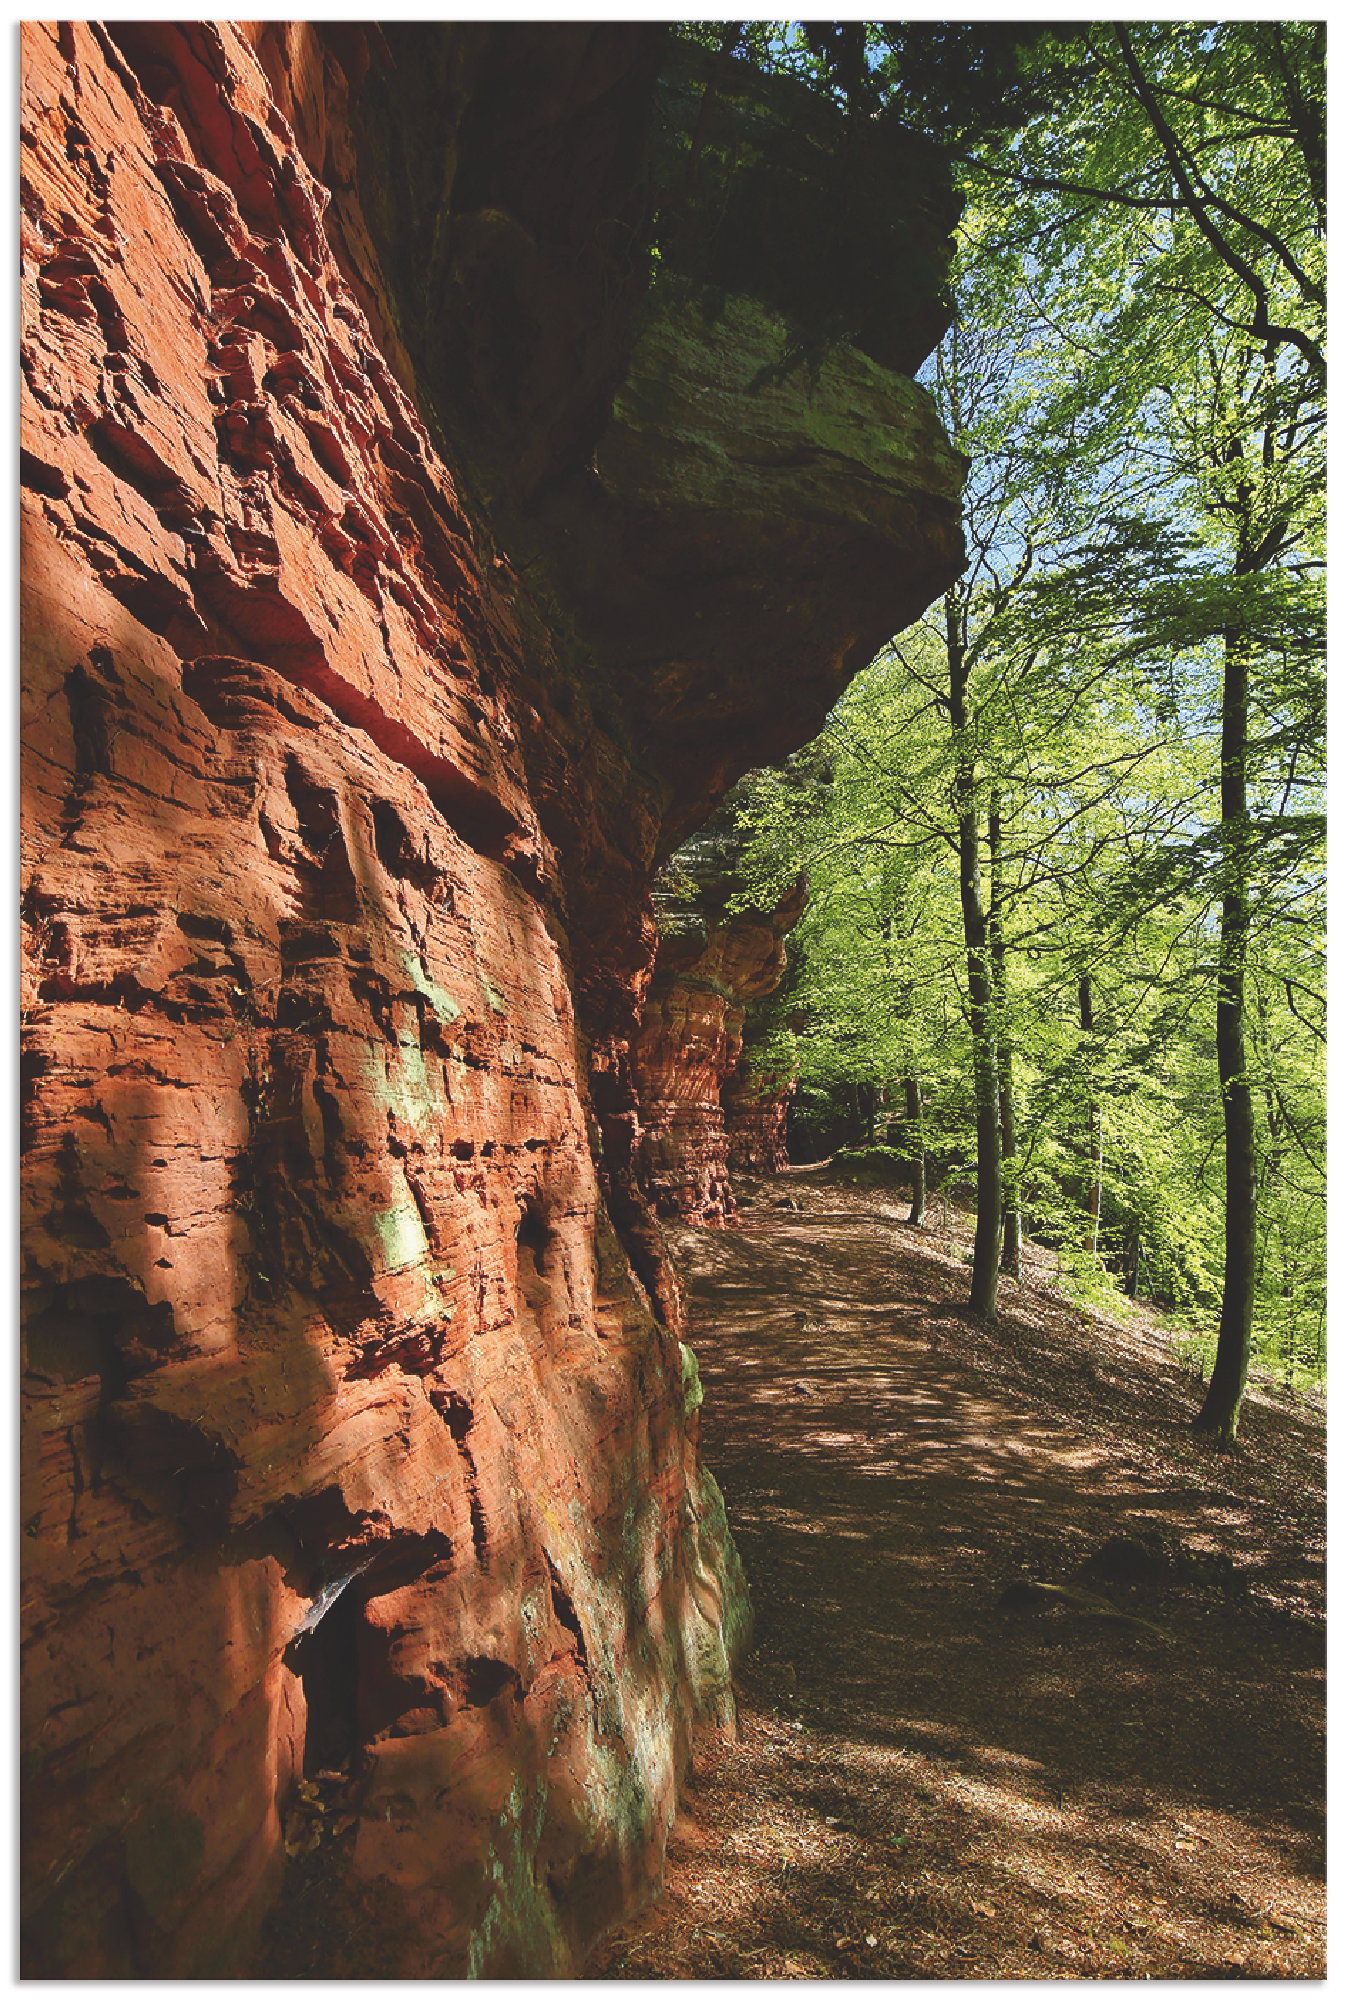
pixel 928 1785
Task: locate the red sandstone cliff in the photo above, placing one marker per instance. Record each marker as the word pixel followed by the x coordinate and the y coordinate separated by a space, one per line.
pixel 687 1059
pixel 757 1108
pixel 357 1432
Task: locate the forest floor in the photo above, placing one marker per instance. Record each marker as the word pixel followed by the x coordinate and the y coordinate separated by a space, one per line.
pixel 930 1782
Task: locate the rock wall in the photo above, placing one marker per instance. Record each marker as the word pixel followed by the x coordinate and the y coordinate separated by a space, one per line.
pixel 687 1056
pixel 404 572
pixel 757 1108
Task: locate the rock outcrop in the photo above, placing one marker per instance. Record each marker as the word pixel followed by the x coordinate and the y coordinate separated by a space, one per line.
pixel 711 963
pixel 405 572
pixel 757 1109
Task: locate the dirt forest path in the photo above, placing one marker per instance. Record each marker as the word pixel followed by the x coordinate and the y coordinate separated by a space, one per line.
pixel 927 1783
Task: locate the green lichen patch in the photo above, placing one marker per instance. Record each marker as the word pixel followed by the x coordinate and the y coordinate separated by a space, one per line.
pixel 692 1380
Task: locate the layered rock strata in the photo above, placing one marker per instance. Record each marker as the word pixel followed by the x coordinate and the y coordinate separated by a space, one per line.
pixel 688 1054
pixel 358 1436
pixel 757 1112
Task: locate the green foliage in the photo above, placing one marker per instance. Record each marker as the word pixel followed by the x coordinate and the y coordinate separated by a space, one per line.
pixel 875 997
pixel 954 81
pixel 880 1166
pixel 868 201
pixel 1183 177
pixel 1135 375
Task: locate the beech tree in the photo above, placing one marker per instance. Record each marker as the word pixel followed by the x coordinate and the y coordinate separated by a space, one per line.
pixel 1191 173
pixel 1223 395
pixel 1028 635
pixel 1111 759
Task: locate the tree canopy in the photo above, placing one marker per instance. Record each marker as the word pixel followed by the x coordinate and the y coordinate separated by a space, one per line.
pixel 1066 835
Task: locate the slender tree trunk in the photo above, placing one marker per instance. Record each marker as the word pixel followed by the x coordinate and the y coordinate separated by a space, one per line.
pixel 1095 1186
pixel 916 1139
pixel 1225 1392
pixel 1005 1055
pixel 1012 1227
pixel 987 1241
pixel 981 1000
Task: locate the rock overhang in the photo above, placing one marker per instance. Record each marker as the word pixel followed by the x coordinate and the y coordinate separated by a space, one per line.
pixel 344 782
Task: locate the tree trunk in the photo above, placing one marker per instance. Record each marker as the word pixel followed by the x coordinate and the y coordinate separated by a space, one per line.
pixel 1095 1186
pixel 981 1007
pixel 1219 1414
pixel 916 1139
pixel 987 1241
pixel 1005 1060
pixel 1012 1230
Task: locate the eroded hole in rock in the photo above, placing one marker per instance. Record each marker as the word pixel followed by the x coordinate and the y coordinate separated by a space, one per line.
pixel 40 477
pixel 483 1679
pixel 327 1661
pixel 97 1326
pixel 201 924
pixel 330 891
pixel 342 1656
pixel 315 808
pixel 457 1414
pixel 454 1410
pixel 534 1236
pixel 396 849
